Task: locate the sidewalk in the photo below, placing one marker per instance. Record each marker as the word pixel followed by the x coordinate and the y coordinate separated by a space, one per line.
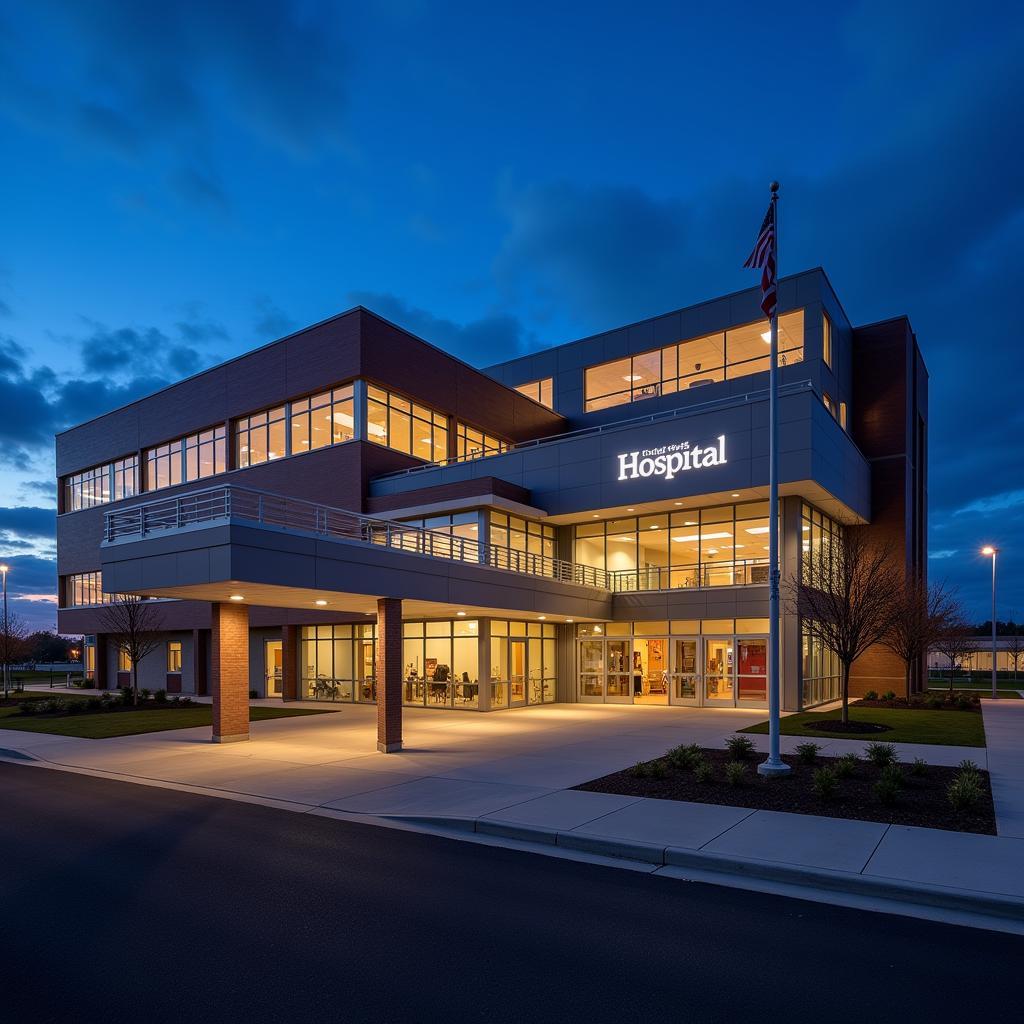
pixel 507 779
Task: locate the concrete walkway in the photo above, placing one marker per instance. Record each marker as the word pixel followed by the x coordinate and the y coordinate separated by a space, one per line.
pixel 508 777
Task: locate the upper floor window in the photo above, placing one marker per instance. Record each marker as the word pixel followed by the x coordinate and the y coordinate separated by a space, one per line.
pixel 539 391
pixel 101 484
pixel 830 405
pixel 474 444
pixel 395 422
pixel 820 539
pixel 322 420
pixel 260 437
pixel 186 458
pixel 521 544
pixel 826 340
pixel 163 466
pixel 724 355
pixel 84 588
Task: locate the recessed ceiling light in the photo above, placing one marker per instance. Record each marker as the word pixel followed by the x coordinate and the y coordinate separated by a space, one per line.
pixel 320 601
pixel 237 597
pixel 677 503
pixel 595 516
pixel 653 527
pixel 568 620
pixel 632 376
pixel 542 617
pixel 735 494
pixel 630 509
pixel 766 337
pixel 460 613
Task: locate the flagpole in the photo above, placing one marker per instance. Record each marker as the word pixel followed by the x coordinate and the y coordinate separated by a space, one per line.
pixel 774 765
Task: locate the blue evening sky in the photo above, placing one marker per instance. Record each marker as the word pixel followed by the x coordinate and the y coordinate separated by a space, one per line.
pixel 183 182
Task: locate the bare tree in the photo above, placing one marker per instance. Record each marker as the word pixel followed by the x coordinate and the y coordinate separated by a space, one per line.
pixel 13 637
pixel 845 598
pixel 920 615
pixel 134 624
pixel 956 642
pixel 1014 648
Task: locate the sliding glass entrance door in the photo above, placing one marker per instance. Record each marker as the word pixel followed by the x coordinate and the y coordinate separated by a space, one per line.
pixel 719 671
pixel 685 678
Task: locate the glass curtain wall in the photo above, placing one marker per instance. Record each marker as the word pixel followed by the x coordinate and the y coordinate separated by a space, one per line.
pixel 521 544
pixel 821 672
pixel 524 663
pixel 405 426
pixel 441 664
pixel 539 390
pixel 339 662
pixel 712 547
pixel 102 484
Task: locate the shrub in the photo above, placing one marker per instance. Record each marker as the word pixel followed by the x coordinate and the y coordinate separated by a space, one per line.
pixel 657 769
pixel 160 696
pixel 935 703
pixel 145 694
pixel 892 773
pixel 640 770
pixel 808 752
pixel 735 773
pixel 126 694
pixel 880 754
pixel 871 695
pixel 185 701
pixel 845 766
pixel 968 767
pixel 824 783
pixel 965 791
pixel 93 703
pixel 28 707
pixel 919 767
pixel 887 791
pixel 889 695
pixel 75 707
pixel 702 771
pixel 740 747
pixel 685 757
pixel 964 702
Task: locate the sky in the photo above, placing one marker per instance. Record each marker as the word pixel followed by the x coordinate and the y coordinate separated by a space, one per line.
pixel 184 182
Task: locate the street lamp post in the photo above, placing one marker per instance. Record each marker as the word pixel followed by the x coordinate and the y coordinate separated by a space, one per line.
pixel 993 551
pixel 7 639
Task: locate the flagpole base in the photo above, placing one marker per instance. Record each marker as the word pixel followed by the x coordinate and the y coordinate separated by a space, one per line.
pixel 773 767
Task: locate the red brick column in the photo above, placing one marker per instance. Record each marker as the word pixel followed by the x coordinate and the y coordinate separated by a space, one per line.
pixel 290 663
pixel 229 671
pixel 389 675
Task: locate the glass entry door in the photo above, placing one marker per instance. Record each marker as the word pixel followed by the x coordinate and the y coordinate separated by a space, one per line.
pixel 622 676
pixel 273 667
pixel 685 680
pixel 592 670
pixel 719 671
pixel 517 672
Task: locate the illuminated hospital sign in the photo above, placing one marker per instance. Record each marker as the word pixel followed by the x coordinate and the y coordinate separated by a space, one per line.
pixel 671 459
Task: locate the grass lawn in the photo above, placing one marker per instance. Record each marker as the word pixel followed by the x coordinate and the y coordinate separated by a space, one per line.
pixel 980 689
pixel 99 725
pixel 955 728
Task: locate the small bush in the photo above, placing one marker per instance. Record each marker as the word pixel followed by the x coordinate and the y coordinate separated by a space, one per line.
pixel 658 769
pixel 808 752
pixel 75 707
pixel 126 694
pixel 640 770
pixel 845 766
pixel 740 747
pixel 889 695
pixel 880 754
pixel 684 757
pixel 935 703
pixel 964 702
pixel 965 792
pixel 892 773
pixel 919 767
pixel 145 694
pixel 28 707
pixel 871 695
pixel 735 773
pixel 703 772
pixel 160 696
pixel 94 703
pixel 824 783
pixel 186 701
pixel 968 767
pixel 887 791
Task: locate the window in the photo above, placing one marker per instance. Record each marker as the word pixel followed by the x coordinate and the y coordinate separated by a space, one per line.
pixel 441 663
pixel 819 537
pixel 83 589
pixel 163 466
pixel 260 437
pixel 842 415
pixel 822 679
pixel 205 454
pixel 338 662
pixel 523 663
pixel 690 364
pixel 475 444
pixel 539 391
pixel 101 484
pixel 454 536
pixel 521 544
pixel 710 547
pixel 830 405
pixel 322 420
pixel 826 340
pixel 405 426
pixel 173 656
pixel 124 663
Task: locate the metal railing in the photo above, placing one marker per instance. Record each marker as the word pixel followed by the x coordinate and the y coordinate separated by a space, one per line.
pixel 223 504
pixel 740 572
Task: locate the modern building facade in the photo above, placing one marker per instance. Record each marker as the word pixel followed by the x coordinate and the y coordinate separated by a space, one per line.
pixel 350 513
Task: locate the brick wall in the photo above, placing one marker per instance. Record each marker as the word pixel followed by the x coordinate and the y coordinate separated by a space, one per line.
pixel 389 675
pixel 229 675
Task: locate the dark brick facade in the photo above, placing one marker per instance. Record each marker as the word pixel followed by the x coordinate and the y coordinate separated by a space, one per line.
pixel 389 675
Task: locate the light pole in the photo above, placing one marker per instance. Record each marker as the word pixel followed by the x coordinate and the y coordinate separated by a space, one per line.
pixel 7 639
pixel 988 549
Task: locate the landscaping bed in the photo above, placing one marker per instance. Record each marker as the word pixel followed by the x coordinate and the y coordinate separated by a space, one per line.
pixel 112 715
pixel 943 726
pixel 854 787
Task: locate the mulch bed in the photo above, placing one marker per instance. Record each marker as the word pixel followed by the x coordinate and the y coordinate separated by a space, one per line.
pixel 922 800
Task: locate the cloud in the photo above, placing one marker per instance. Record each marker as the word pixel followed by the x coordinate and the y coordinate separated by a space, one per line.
pixel 993 503
pixel 27 521
pixel 271 322
pixel 476 341
pixel 938 555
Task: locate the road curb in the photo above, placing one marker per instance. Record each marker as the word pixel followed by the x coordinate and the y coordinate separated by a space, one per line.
pixel 851 883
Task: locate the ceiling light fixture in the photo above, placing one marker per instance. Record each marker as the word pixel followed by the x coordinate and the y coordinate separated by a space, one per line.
pixel 321 602
pixel 460 614
pixel 237 597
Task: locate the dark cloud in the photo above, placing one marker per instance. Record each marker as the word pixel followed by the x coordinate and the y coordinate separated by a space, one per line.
pixel 271 322
pixel 32 589
pixel 26 521
pixel 475 341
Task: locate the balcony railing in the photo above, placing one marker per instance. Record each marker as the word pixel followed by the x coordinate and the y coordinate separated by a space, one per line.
pixel 223 504
pixel 680 577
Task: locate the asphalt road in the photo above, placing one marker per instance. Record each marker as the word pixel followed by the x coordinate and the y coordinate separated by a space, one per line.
pixel 121 902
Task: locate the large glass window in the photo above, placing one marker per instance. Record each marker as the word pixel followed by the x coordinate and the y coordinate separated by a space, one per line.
pixel 442 663
pixel 260 437
pixel 524 667
pixel 822 678
pixel 322 420
pixel 101 484
pixel 475 444
pixel 539 390
pixel 521 544
pixel 206 453
pixel 173 656
pixel 826 340
pixel 710 547
pixel 405 426
pixel 85 588
pixel 338 662
pixel 693 363
pixel 820 536
pixel 455 536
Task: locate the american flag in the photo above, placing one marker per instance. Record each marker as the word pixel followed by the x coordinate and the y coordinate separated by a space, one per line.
pixel 763 259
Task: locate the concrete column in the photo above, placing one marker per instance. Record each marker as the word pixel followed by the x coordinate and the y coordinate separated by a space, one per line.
pixel 289 662
pixel 102 681
pixel 200 682
pixel 389 675
pixel 484 655
pixel 229 676
pixel 790 564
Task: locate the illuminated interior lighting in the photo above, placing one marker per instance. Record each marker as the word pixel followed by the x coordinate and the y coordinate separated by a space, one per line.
pixel 766 337
pixel 757 529
pixel 632 377
pixel 321 602
pixel 694 537
pixel 542 617
pixel 735 494
pixel 460 614
pixel 237 597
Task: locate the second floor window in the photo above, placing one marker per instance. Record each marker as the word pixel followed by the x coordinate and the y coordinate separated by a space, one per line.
pixel 322 420
pixel 260 437
pixel 539 391
pixel 397 423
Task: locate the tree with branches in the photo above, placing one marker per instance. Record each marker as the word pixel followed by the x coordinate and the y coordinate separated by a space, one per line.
pixel 921 612
pixel 1014 649
pixel 845 598
pixel 134 625
pixel 13 635
pixel 956 643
